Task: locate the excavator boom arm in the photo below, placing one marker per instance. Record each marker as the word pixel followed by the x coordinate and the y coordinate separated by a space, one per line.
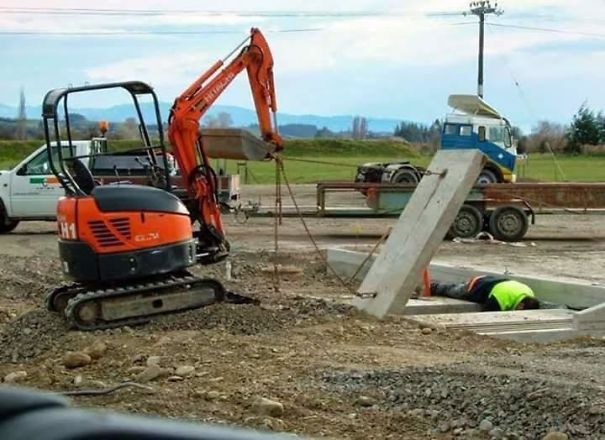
pixel 192 104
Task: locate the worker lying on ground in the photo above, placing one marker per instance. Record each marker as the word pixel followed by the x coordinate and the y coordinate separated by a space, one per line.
pixel 493 293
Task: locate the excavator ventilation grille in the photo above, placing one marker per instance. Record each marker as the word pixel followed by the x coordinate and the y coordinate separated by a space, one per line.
pixel 122 224
pixel 105 236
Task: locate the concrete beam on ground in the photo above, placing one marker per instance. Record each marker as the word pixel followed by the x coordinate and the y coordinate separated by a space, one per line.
pixel 522 325
pixel 591 319
pixel 420 230
pixel 432 305
pixel 573 293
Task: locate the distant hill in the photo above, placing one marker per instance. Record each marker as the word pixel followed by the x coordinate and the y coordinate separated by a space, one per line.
pixel 240 116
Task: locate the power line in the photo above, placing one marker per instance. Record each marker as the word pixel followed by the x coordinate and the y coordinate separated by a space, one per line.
pixel 558 31
pixel 156 33
pixel 251 13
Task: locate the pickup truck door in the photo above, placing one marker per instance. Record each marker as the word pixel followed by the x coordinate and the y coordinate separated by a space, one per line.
pixel 34 189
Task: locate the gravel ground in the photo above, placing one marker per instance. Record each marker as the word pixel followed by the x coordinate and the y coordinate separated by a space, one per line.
pixel 466 400
pixel 337 373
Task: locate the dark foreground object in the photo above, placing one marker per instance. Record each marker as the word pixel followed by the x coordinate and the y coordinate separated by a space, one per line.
pixel 27 414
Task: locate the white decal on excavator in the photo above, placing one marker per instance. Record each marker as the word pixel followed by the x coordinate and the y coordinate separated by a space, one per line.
pixel 147 237
pixel 215 91
pixel 67 230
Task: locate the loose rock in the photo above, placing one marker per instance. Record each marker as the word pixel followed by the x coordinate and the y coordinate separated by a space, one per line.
pixel 96 350
pixel 555 435
pixel 14 377
pixel 486 425
pixel 151 373
pixel 496 433
pixel 174 379
pixel 267 407
pixel 153 360
pixel 76 359
pixel 426 330
pixel 212 395
pixel 444 426
pixel 365 401
pixel 185 370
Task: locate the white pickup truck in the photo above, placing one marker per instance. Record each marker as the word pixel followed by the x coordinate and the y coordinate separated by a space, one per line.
pixel 29 191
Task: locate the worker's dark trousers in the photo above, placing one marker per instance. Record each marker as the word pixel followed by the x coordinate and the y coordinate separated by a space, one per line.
pixel 456 290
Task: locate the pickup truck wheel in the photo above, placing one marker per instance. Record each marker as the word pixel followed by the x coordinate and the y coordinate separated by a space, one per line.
pixel 405 175
pixel 467 224
pixel 7 225
pixel 508 223
pixel 486 177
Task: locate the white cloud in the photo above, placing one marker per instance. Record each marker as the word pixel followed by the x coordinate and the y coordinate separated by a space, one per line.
pixel 159 70
pixel 340 56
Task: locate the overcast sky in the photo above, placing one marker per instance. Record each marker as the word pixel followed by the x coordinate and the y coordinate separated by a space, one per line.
pixel 403 63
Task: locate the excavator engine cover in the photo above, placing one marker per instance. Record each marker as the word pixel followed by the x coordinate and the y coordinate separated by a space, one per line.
pixel 124 232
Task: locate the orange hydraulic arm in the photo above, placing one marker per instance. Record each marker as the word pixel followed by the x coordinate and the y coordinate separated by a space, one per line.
pixel 190 106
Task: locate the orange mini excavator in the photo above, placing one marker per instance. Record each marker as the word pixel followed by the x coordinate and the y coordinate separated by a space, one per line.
pixel 127 247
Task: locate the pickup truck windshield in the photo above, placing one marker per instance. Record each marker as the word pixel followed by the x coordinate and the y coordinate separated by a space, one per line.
pixel 39 164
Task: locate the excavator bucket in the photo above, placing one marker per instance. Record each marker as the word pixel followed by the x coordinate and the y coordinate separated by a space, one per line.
pixel 234 143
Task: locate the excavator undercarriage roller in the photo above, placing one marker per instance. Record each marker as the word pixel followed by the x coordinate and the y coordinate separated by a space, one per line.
pixel 134 304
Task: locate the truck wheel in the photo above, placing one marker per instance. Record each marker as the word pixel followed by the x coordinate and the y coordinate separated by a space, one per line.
pixel 486 177
pixel 467 224
pixel 508 223
pixel 405 175
pixel 7 225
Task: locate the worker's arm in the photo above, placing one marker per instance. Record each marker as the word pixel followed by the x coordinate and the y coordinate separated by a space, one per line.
pixel 491 305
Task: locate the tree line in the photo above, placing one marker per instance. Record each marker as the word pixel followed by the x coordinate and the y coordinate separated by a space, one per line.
pixel 585 133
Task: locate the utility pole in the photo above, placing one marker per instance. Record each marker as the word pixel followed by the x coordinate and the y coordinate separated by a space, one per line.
pixel 21 118
pixel 481 9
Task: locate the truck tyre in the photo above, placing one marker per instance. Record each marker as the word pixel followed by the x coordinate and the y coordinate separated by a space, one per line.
pixel 6 225
pixel 508 223
pixel 405 175
pixel 467 224
pixel 486 177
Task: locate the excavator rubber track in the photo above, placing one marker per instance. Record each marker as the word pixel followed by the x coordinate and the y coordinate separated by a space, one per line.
pixel 137 303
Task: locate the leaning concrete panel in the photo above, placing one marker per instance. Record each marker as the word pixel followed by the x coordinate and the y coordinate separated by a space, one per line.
pixel 420 230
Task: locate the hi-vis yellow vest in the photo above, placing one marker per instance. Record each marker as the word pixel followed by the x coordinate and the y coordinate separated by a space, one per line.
pixel 510 293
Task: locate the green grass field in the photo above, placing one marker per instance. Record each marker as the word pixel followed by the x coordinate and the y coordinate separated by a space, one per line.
pixel 337 159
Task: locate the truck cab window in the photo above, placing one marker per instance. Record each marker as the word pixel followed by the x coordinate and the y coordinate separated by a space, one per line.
pixel 482 135
pixel 451 129
pixel 508 139
pixel 496 134
pixel 37 166
pixel 466 130
pixel 40 165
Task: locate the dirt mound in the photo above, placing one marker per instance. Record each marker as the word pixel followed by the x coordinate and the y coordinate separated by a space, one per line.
pixel 27 278
pixel 30 335
pixel 247 319
pixel 237 319
pixel 457 397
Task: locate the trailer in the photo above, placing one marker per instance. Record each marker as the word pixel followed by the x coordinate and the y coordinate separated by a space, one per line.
pixel 504 210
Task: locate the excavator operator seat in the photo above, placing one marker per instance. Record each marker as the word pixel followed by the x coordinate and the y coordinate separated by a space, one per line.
pixel 112 198
pixel 83 176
